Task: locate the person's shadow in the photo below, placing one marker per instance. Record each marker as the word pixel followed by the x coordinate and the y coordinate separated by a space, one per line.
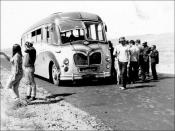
pixel 39 101
pixel 135 86
pixel 54 98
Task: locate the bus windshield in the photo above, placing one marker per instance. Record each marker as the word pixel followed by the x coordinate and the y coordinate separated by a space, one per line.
pixel 72 35
pixel 94 31
pixel 78 30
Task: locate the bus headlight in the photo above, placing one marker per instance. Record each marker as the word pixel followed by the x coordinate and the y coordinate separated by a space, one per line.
pixel 66 69
pixel 107 66
pixel 66 61
pixel 108 59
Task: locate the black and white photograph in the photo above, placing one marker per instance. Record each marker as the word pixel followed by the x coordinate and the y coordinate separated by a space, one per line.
pixel 87 65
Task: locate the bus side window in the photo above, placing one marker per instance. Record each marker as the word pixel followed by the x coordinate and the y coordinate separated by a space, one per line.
pixel 48 34
pixel 38 35
pixel 44 34
pixel 63 37
pixel 33 34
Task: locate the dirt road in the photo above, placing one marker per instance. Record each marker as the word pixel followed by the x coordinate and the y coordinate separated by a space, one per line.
pixel 143 106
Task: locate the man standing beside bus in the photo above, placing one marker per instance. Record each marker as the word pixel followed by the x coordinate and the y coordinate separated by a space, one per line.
pixel 123 54
pixel 154 60
pixel 111 49
pixel 29 70
pixel 134 58
pixel 146 52
pixel 140 61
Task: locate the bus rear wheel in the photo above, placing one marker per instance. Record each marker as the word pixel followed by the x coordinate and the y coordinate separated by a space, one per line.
pixel 54 75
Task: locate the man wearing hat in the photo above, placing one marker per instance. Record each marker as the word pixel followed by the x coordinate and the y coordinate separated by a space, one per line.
pixel 138 44
pixel 123 56
pixel 29 69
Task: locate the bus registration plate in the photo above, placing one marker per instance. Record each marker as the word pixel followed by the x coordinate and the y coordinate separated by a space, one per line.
pixel 88 69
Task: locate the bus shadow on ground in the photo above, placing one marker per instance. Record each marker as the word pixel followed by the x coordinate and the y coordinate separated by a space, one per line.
pixel 83 82
pixel 141 86
pixel 88 82
pixel 165 76
pixel 107 81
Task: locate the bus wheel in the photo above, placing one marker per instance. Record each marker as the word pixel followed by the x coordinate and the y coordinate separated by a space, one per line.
pixel 55 73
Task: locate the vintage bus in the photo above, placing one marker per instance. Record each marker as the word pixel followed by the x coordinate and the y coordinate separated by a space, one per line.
pixel 70 46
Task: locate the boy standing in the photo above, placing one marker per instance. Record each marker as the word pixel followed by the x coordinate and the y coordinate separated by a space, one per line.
pixel 29 70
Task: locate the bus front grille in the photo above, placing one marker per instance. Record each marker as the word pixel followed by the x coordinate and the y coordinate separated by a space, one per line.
pixel 95 58
pixel 81 59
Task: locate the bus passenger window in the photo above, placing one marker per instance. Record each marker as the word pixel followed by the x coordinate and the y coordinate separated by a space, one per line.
pixel 75 33
pixel 48 34
pixel 81 34
pixel 72 37
pixel 38 32
pixel 63 37
pixel 33 33
pixel 38 35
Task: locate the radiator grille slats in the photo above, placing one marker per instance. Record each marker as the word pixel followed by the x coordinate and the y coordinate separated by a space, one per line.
pixel 81 59
pixel 95 58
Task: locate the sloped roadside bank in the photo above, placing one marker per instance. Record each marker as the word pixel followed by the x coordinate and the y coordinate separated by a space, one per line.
pixel 42 114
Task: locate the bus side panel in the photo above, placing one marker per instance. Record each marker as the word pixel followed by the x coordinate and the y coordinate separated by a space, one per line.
pixel 46 57
pixel 105 54
pixel 40 65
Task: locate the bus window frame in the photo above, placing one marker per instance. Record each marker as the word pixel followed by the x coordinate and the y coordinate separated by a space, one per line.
pixel 40 35
pixel 103 32
pixel 71 30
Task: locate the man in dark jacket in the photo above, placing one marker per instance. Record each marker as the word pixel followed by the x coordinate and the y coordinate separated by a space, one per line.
pixel 145 60
pixel 111 49
pixel 154 60
pixel 29 70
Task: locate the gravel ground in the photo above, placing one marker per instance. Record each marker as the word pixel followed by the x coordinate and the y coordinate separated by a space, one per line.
pixel 42 114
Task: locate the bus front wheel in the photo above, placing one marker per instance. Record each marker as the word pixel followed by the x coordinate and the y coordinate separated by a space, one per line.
pixel 55 73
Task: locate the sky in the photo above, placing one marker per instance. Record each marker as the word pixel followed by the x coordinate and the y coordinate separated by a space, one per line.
pixel 123 18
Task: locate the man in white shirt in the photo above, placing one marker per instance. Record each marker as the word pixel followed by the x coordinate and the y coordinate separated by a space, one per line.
pixel 123 55
pixel 134 58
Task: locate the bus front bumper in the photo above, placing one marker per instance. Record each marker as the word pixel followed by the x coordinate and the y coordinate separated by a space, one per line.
pixel 85 76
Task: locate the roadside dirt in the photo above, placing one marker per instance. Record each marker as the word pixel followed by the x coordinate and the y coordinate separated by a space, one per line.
pixel 45 113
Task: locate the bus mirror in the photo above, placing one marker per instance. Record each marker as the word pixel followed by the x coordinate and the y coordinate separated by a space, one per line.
pixel 106 28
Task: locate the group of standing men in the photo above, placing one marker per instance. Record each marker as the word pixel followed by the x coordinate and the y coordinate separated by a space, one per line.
pixel 131 59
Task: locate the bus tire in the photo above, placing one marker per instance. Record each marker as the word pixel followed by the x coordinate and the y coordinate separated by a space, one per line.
pixel 54 74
